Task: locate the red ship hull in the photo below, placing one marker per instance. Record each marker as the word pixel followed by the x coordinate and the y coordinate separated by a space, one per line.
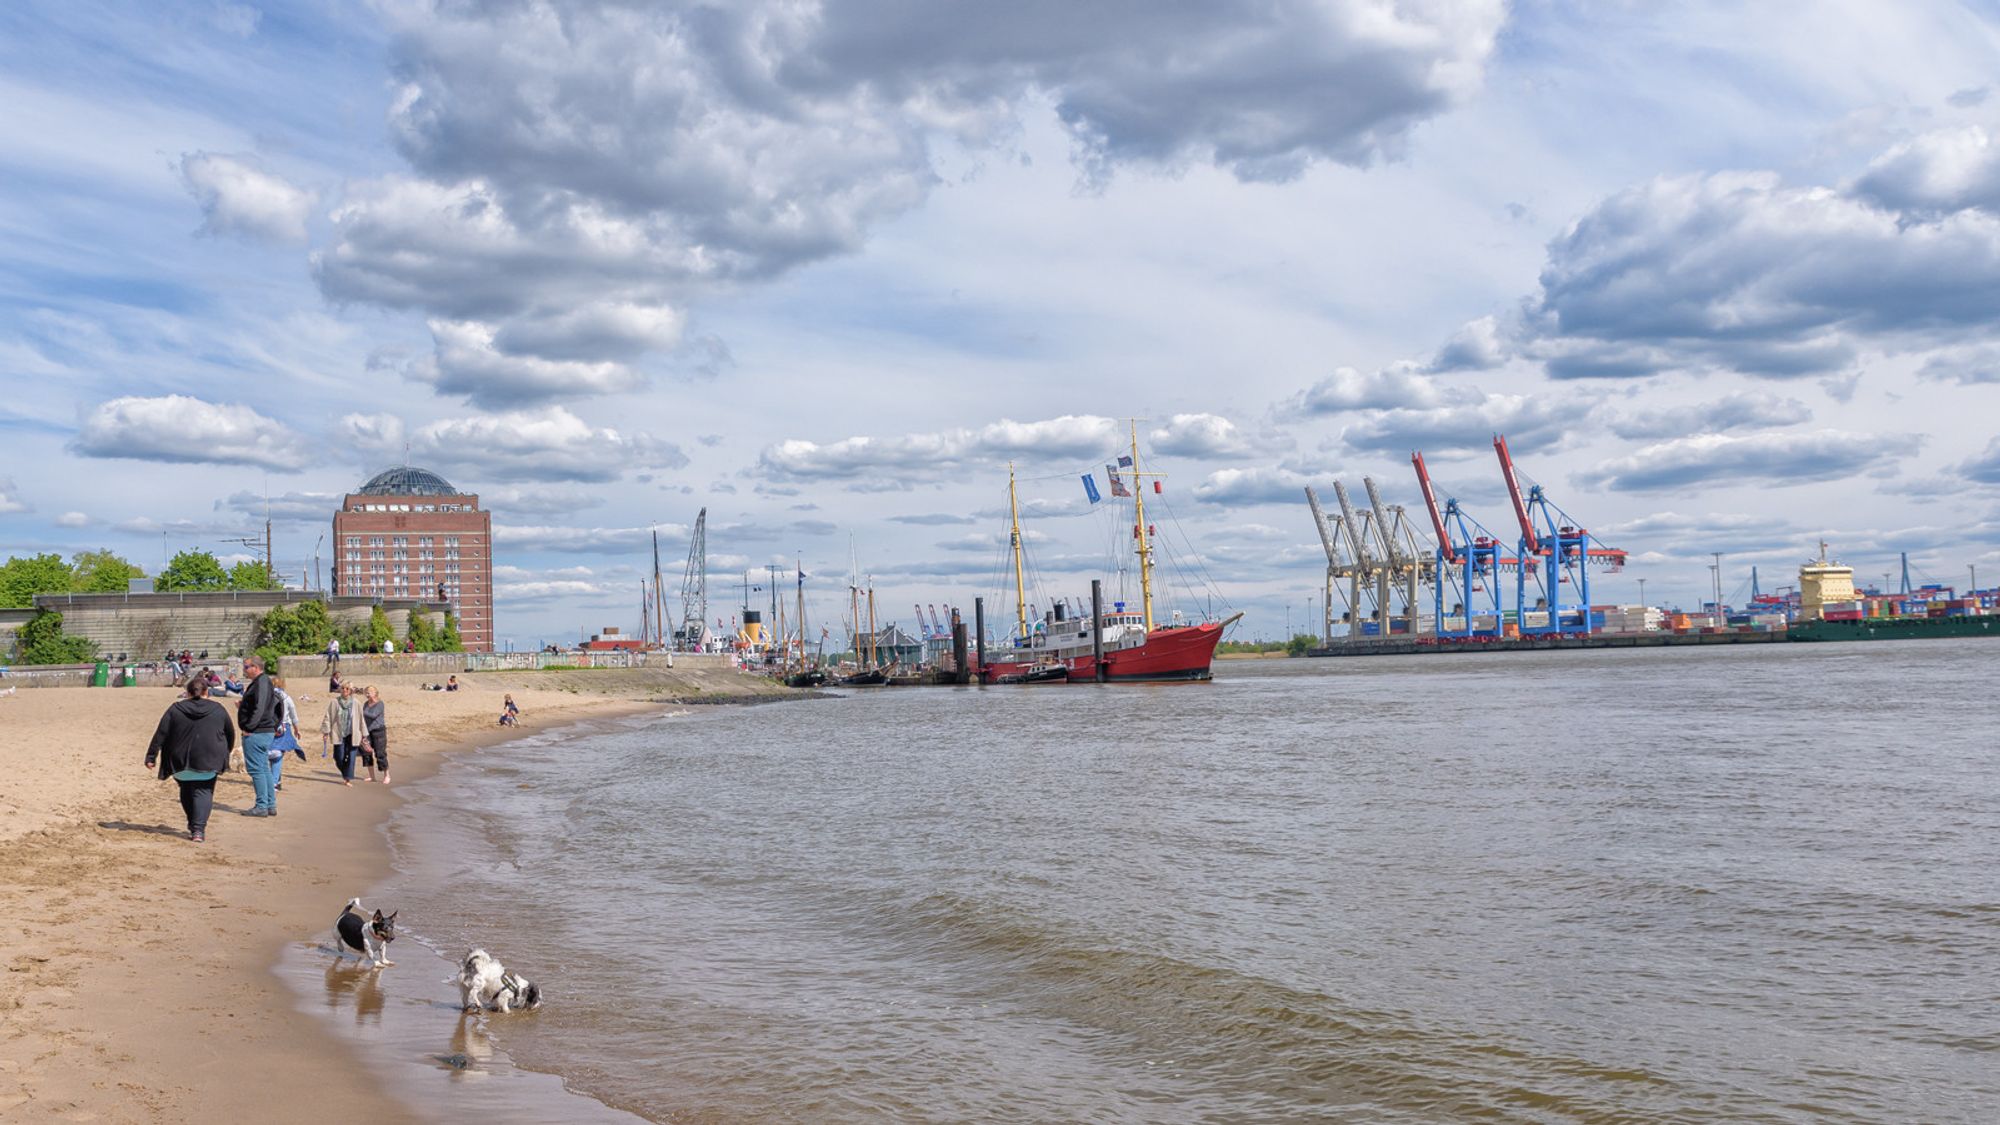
pixel 1173 653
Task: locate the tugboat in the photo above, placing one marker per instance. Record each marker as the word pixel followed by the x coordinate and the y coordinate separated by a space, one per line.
pixel 1136 647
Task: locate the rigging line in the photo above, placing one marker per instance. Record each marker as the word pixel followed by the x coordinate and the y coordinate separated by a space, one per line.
pixel 1174 518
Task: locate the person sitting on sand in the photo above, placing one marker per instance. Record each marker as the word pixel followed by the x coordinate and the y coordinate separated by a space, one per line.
pixel 192 745
pixel 509 714
pixel 451 683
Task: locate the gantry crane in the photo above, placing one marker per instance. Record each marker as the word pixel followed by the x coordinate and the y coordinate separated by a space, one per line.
pixel 1468 561
pixel 1550 537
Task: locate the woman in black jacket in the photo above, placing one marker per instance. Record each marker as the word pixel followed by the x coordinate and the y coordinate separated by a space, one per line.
pixel 191 746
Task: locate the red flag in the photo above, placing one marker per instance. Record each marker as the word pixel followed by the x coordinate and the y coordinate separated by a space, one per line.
pixel 1156 488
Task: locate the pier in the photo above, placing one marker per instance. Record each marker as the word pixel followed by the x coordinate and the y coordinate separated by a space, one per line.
pixel 1417 646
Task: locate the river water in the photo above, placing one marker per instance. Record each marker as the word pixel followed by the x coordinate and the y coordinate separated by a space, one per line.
pixel 1751 884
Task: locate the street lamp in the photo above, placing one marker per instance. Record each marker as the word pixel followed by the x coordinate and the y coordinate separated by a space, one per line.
pixel 1642 593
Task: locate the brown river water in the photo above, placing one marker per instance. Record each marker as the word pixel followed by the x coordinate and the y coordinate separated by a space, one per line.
pixel 1756 884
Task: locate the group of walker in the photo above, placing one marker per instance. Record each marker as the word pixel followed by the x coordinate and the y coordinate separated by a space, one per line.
pixel 195 739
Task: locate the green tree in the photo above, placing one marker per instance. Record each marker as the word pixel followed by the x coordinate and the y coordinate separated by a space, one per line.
pixel 250 575
pixel 22 577
pixel 1299 643
pixel 367 637
pixel 448 638
pixel 42 641
pixel 420 637
pixel 102 572
pixel 295 629
pixel 192 570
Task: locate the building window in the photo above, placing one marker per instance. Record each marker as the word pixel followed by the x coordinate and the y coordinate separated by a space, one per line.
pixel 354 541
pixel 375 541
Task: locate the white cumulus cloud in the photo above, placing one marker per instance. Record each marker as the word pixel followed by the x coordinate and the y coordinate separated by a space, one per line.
pixel 186 430
pixel 239 198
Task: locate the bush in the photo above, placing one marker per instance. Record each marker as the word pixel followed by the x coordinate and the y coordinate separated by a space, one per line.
pixel 367 637
pixel 420 637
pixel 42 641
pixel 296 630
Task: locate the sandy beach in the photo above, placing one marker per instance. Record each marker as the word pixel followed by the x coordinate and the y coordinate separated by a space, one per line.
pixel 139 983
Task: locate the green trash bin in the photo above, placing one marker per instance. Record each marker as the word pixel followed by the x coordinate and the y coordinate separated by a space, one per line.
pixel 102 676
pixel 131 676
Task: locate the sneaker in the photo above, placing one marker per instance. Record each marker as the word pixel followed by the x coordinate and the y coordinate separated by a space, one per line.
pixel 198 837
pixel 256 812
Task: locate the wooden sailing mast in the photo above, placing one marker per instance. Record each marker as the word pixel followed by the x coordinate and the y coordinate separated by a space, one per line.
pixel 1140 533
pixel 1020 574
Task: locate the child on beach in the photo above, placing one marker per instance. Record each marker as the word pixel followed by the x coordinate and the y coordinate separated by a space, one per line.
pixel 509 714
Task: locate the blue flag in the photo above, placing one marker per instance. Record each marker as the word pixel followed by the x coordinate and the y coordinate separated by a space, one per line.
pixel 1090 487
pixel 1124 461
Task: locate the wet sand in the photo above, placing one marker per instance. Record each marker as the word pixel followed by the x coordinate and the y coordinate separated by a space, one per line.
pixel 139 983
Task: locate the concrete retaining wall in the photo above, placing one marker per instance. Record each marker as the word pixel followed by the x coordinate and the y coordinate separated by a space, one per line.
pixel 222 623
pixel 441 664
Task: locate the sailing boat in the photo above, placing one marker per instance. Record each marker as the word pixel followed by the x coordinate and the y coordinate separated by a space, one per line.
pixel 1136 648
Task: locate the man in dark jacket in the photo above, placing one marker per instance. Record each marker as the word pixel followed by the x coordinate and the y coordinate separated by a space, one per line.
pixel 258 716
pixel 191 746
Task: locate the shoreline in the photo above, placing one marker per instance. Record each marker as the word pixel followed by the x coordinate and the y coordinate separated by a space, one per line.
pixel 142 980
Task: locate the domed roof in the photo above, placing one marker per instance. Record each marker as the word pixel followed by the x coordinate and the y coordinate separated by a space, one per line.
pixel 406 481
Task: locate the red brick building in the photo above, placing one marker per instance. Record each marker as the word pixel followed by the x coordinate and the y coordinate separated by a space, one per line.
pixel 408 533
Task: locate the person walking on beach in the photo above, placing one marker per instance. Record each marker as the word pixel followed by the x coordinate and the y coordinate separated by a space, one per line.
pixel 192 745
pixel 375 716
pixel 258 716
pixel 287 739
pixel 345 730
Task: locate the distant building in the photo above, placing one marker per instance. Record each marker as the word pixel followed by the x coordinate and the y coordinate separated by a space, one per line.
pixel 408 533
pixel 611 640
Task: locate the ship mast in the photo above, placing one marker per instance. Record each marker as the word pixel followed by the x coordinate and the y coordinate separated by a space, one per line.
pixel 1020 575
pixel 1139 533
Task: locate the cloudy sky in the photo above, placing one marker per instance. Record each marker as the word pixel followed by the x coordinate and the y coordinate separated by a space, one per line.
pixel 1722 273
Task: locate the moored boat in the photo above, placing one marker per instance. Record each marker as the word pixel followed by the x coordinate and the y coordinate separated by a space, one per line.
pixel 1135 647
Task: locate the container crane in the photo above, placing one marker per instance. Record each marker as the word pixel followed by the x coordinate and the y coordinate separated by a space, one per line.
pixel 1337 565
pixel 1468 560
pixel 1406 563
pixel 1549 536
pixel 1368 569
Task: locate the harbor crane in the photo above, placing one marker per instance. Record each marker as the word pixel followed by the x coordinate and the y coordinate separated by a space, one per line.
pixel 694 589
pixel 1375 551
pixel 1564 550
pixel 1468 561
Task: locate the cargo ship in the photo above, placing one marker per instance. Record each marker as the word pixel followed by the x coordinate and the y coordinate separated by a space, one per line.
pixel 1135 647
pixel 1831 609
pixel 1894 628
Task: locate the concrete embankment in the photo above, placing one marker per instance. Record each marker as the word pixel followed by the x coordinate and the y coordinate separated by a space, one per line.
pixel 691 679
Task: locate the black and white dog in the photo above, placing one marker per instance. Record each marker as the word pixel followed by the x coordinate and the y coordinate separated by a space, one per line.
pixel 370 937
pixel 483 982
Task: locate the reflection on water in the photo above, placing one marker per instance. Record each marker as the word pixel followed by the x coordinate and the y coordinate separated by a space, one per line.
pixel 406 1027
pixel 350 983
pixel 1754 884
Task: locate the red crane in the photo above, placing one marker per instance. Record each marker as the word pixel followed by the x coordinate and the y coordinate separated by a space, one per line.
pixel 1528 536
pixel 1431 504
